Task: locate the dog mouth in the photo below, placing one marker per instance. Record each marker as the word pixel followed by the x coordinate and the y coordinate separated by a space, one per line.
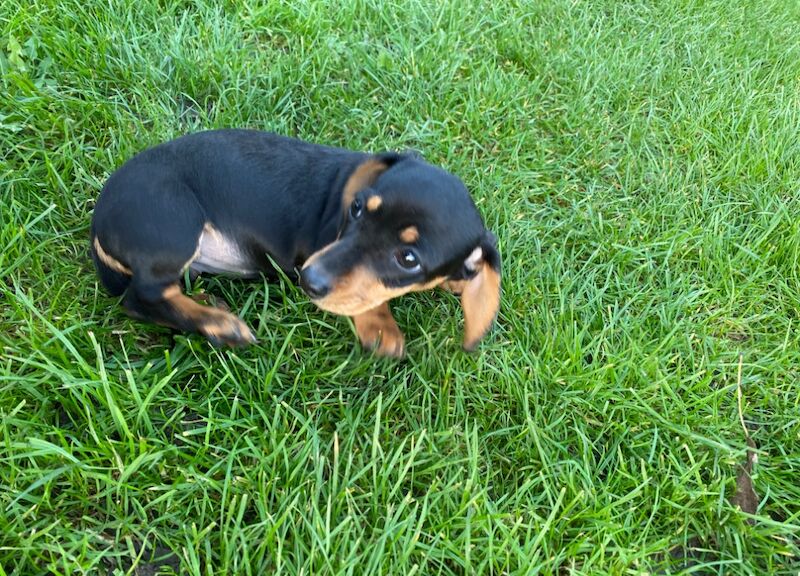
pixel 352 295
pixel 355 292
pixel 347 295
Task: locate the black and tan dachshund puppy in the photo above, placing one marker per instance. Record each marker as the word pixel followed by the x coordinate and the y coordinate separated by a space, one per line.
pixel 364 228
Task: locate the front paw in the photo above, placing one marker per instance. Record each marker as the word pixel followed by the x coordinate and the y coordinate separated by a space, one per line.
pixel 385 341
pixel 225 329
pixel 378 332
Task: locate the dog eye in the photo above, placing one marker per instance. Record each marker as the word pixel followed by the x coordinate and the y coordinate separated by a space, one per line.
pixel 407 259
pixel 356 208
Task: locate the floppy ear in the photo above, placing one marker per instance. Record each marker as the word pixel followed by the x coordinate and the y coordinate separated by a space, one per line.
pixel 480 292
pixel 365 175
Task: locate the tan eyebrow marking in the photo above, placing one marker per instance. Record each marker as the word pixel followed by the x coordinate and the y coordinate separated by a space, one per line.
pixel 409 235
pixel 374 203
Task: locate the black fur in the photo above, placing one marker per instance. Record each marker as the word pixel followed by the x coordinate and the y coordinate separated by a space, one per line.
pixel 273 197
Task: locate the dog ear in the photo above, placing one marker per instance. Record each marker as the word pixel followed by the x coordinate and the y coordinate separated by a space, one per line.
pixel 365 175
pixel 480 291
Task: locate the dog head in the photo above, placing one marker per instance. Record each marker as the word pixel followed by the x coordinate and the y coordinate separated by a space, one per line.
pixel 406 226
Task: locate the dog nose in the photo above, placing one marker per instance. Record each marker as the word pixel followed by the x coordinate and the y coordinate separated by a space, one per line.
pixel 315 282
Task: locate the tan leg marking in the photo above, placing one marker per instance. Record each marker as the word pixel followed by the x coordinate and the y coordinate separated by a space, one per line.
pixel 454 286
pixel 109 260
pixel 217 325
pixel 378 331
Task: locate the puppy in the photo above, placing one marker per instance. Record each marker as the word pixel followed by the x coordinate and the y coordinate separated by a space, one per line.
pixel 362 228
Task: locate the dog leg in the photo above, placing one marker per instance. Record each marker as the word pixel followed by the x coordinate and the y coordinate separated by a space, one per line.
pixel 171 307
pixel 378 331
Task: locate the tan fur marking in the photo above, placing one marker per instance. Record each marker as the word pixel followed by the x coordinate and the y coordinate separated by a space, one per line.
pixel 454 286
pixel 212 322
pixel 171 292
pixel 374 203
pixel 480 299
pixel 360 291
pixel 207 229
pixel 109 260
pixel 364 175
pixel 409 235
pixel 316 255
pixel 378 331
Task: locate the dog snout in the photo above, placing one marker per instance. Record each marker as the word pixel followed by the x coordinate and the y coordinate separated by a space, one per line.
pixel 315 281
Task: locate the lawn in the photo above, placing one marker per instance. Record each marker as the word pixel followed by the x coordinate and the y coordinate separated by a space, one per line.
pixel 639 162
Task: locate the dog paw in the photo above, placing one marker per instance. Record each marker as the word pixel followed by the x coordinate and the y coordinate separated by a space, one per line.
pixel 454 286
pixel 378 332
pixel 385 341
pixel 227 330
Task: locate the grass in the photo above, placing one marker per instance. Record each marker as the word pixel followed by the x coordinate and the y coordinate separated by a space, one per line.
pixel 639 163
